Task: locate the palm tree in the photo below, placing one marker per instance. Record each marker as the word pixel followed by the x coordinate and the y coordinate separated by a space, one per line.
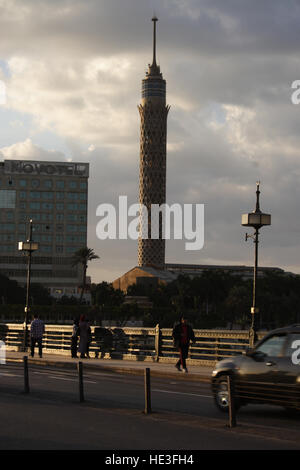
pixel 83 256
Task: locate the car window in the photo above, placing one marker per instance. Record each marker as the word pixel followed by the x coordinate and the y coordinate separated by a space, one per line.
pixel 272 346
pixel 293 346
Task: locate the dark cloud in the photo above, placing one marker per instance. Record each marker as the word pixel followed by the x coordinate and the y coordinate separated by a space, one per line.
pixel 229 68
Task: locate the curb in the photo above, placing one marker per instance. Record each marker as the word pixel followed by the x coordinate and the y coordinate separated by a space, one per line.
pixel 117 369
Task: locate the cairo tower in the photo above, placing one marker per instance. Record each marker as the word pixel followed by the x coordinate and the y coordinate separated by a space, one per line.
pixel 153 141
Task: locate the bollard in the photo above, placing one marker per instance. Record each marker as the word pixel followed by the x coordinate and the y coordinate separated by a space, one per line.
pixel 147 391
pixel 80 377
pixel 231 403
pixel 26 375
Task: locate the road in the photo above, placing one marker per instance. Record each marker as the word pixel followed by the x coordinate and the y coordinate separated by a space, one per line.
pixel 184 415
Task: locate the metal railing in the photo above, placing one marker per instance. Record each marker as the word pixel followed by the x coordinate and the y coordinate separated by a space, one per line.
pixel 145 344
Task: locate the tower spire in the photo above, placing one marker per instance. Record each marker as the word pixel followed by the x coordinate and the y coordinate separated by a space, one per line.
pixel 154 19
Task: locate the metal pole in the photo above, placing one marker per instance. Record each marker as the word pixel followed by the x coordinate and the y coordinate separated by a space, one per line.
pixel 147 391
pixel 26 375
pixel 254 310
pixel 231 404
pixel 27 306
pixel 157 342
pixel 80 377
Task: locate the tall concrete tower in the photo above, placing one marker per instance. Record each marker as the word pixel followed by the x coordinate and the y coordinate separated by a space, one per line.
pixel 153 142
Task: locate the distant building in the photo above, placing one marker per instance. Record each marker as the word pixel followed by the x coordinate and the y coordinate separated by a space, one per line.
pixel 151 277
pixel 54 196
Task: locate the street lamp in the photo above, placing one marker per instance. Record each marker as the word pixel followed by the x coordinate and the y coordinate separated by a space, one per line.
pixel 28 247
pixel 255 219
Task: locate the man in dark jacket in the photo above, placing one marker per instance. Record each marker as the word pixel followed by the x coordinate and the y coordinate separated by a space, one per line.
pixel 182 335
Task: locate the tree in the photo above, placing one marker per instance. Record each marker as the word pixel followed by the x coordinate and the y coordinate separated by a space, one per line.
pixel 104 294
pixel 83 256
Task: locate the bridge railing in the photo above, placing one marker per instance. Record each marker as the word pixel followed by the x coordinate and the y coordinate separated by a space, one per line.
pixel 135 343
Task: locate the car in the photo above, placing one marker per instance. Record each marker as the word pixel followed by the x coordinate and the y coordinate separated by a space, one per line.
pixel 267 374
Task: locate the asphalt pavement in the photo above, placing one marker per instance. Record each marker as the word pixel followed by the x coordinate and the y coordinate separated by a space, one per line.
pixel 112 416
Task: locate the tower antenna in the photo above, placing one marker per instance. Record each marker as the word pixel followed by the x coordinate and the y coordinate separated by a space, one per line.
pixel 154 19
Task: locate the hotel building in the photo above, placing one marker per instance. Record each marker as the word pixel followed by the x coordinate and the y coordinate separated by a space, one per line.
pixel 54 195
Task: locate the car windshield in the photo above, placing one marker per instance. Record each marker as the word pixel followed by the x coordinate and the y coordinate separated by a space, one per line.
pixel 272 346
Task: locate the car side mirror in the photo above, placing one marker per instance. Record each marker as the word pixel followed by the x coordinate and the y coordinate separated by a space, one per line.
pixel 258 355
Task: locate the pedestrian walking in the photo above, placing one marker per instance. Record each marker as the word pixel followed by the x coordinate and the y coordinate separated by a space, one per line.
pixel 183 334
pixel 84 336
pixel 37 330
pixel 74 338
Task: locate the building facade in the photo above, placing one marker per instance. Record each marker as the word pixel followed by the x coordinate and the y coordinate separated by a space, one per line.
pixel 153 140
pixel 55 196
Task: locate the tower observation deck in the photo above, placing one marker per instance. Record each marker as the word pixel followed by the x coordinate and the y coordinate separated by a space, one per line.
pixel 153 141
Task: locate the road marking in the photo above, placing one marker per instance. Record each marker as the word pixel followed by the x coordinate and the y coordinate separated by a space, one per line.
pixel 182 393
pixel 70 380
pixel 6 374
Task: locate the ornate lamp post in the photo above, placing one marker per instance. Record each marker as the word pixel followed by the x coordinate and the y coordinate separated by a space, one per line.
pixel 255 219
pixel 29 247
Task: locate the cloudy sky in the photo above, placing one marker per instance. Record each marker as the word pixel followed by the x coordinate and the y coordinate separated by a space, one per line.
pixel 73 71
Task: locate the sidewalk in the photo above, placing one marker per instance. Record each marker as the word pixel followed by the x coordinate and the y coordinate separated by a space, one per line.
pixel 158 369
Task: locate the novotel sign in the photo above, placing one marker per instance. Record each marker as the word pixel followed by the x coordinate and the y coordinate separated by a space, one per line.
pixel 28 167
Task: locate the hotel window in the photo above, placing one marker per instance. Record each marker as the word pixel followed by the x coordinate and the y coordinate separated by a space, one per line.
pixel 71 238
pixel 47 184
pixel 47 195
pixel 47 205
pixel 60 184
pixel 73 196
pixel 71 228
pixel 60 206
pixel 72 249
pixel 34 218
pixel 8 227
pixel 72 206
pixel 23 183
pixel 60 195
pixel 46 217
pixel 35 205
pixel 35 194
pixel 35 183
pixel 59 217
pixel 73 184
pixel 22 194
pixel 83 185
pixel 46 238
pixel 7 199
pixel 46 248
